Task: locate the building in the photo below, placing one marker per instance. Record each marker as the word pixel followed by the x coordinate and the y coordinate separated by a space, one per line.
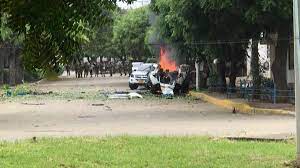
pixel 267 56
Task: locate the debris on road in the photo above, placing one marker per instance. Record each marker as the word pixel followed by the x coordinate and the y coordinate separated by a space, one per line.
pixel 167 90
pixel 87 116
pixel 107 108
pixel 98 104
pixel 34 104
pixel 125 95
pixel 135 95
pixel 36 93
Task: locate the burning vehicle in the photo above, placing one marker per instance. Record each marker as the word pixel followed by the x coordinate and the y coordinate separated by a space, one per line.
pixel 170 83
pixel 167 78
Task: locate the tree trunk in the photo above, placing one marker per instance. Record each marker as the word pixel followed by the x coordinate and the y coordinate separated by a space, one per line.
pixel 19 67
pixel 279 66
pixel 221 69
pixel 255 71
pixel 205 75
pixel 1 66
pixel 232 81
pixel 12 67
pixel 232 76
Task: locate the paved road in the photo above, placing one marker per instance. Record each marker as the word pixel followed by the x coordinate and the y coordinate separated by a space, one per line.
pixel 134 117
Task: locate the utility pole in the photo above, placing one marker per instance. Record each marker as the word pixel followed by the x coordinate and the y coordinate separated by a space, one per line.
pixel 297 73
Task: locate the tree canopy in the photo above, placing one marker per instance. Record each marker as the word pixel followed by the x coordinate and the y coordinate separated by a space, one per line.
pixel 210 29
pixel 53 29
pixel 129 33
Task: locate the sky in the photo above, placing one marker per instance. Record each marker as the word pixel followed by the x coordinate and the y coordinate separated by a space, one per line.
pixel 136 4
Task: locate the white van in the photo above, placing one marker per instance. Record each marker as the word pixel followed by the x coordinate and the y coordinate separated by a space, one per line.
pixel 139 76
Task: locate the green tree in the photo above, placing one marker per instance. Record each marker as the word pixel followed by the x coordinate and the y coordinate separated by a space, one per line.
pixel 53 29
pixel 274 17
pixel 192 26
pixel 129 33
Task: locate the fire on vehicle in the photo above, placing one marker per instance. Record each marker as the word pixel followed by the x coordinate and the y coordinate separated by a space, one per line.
pixel 164 78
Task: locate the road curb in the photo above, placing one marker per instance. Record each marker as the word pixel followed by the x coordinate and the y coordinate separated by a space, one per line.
pixel 239 107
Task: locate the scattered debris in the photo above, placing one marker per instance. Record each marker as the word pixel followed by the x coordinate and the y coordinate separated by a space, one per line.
pixel 125 95
pixel 135 95
pixel 34 104
pixel 167 90
pixel 118 96
pixel 108 108
pixel 87 116
pixel 98 104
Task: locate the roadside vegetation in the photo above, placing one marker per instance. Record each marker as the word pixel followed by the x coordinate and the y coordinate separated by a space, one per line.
pixel 156 152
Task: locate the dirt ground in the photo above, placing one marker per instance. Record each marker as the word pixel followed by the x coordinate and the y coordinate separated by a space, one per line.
pixel 80 116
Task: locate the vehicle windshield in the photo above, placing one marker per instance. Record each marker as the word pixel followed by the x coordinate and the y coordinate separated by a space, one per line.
pixel 145 68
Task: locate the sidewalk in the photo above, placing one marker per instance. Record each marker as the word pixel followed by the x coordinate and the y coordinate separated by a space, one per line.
pixel 243 106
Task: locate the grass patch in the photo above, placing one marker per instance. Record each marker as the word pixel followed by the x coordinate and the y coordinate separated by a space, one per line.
pixel 153 152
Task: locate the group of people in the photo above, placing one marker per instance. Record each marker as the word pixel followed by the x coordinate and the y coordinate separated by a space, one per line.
pixel 95 69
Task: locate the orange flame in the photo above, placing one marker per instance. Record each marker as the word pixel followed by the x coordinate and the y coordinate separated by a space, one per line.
pixel 165 62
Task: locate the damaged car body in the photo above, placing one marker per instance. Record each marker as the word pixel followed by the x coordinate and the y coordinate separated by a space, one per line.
pixel 170 83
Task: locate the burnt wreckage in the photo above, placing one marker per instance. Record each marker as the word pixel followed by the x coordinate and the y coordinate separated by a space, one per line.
pixel 170 83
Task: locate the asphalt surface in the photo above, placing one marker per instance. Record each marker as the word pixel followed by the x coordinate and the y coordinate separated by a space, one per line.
pixel 142 117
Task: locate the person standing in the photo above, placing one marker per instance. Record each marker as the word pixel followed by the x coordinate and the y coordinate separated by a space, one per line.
pixel 86 70
pixel 102 68
pixel 110 68
pixel 91 67
pixel 68 69
pixel 96 69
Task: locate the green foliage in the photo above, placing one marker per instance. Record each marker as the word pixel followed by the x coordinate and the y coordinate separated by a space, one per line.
pixel 5 32
pixel 33 75
pixel 129 33
pixel 100 44
pixel 21 90
pixel 208 29
pixel 54 30
pixel 5 89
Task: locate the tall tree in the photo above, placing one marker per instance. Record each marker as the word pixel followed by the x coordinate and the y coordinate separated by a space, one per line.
pixel 205 30
pixel 274 17
pixel 54 30
pixel 129 33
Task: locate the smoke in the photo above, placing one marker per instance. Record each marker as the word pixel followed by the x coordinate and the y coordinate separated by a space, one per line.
pixel 156 41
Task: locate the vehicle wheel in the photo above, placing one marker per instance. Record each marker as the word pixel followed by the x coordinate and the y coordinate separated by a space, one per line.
pixel 148 85
pixel 133 86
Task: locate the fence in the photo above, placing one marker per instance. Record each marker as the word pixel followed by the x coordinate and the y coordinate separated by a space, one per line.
pixel 267 92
